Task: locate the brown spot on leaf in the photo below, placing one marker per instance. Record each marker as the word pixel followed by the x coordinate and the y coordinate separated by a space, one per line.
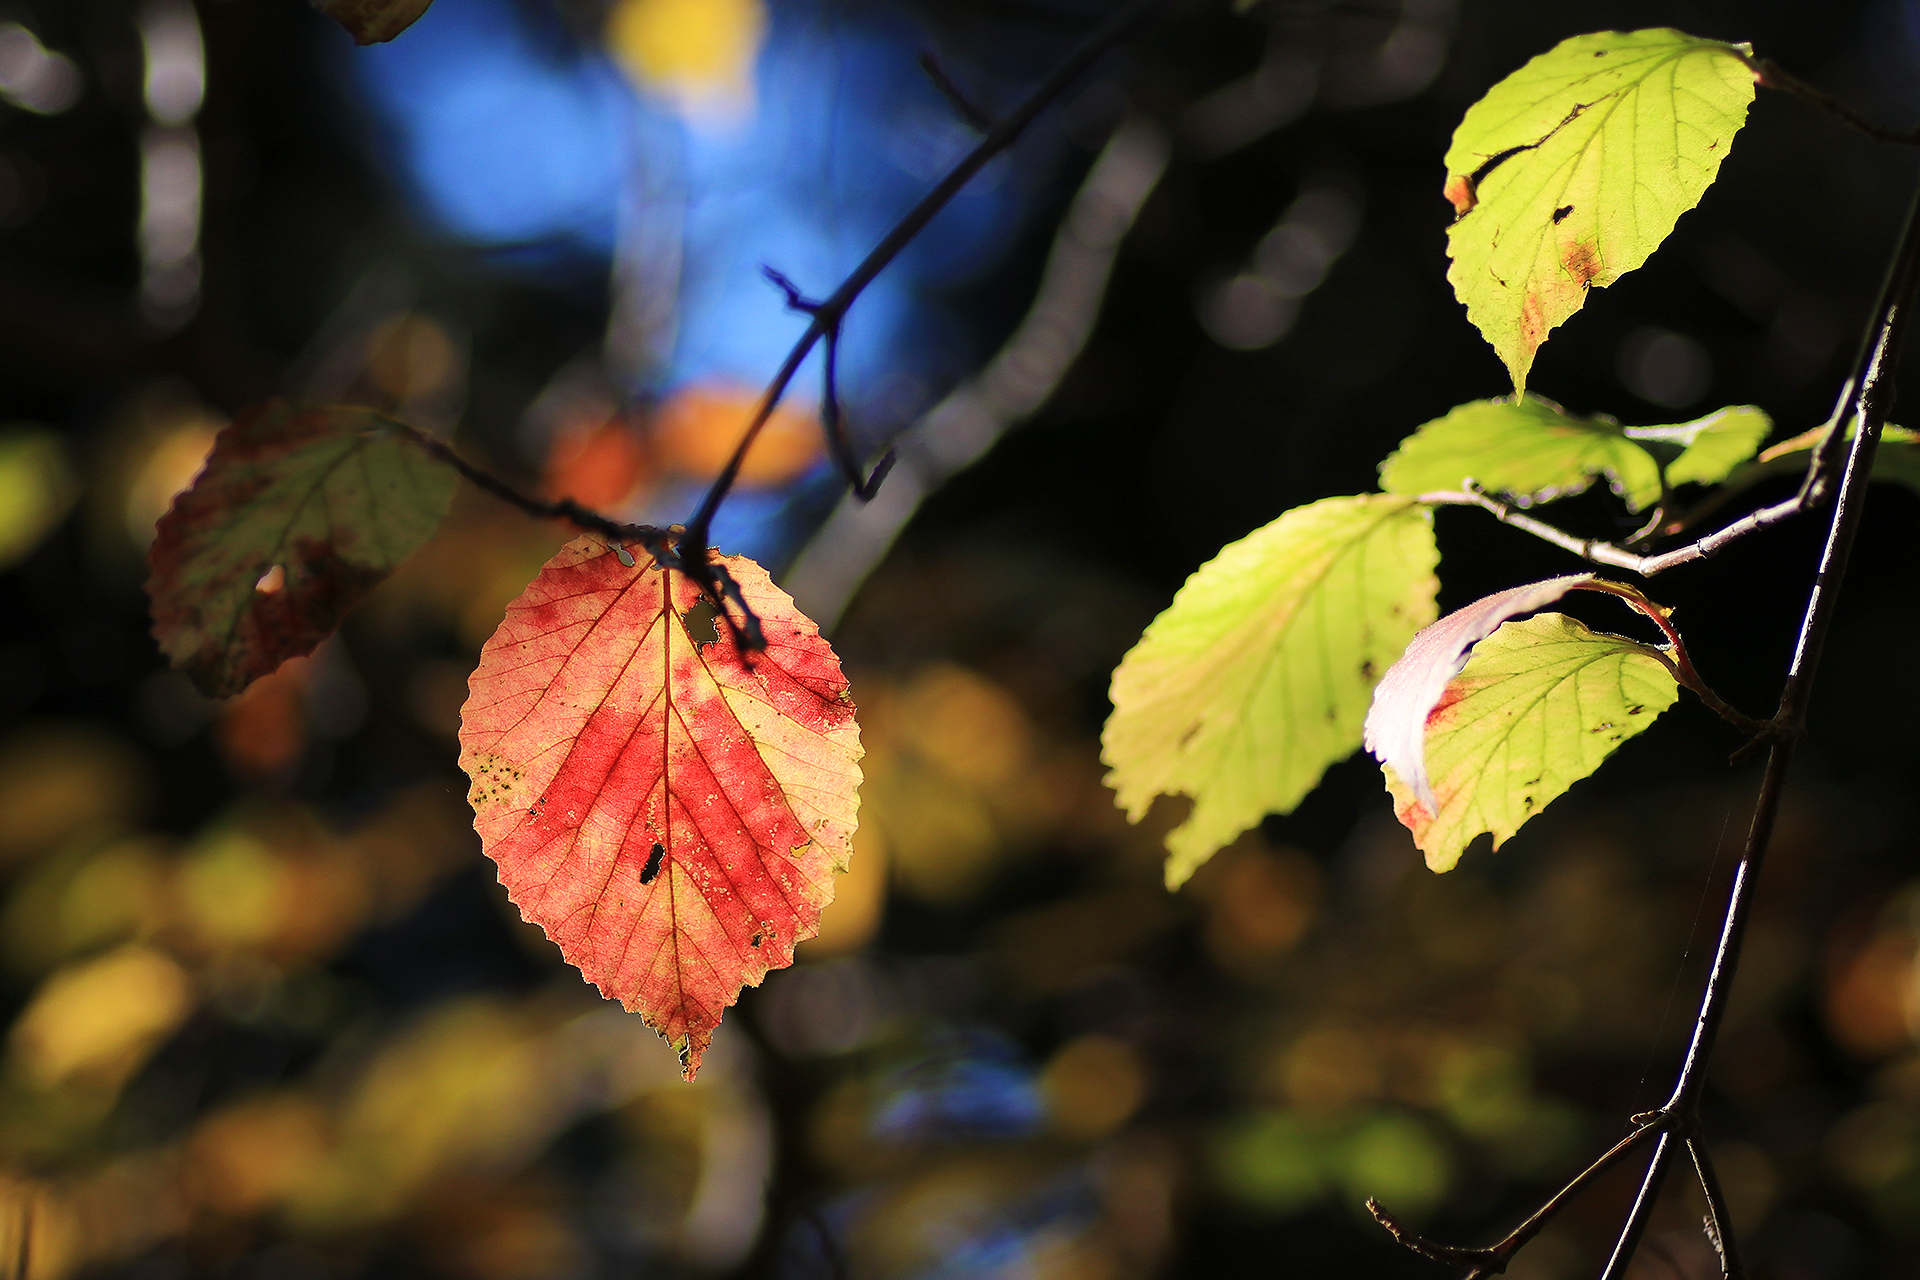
pixel 1461 192
pixel 1560 214
pixel 1582 261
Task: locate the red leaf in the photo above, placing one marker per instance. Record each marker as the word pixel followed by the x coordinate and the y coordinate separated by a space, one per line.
pixel 1408 694
pixel 669 815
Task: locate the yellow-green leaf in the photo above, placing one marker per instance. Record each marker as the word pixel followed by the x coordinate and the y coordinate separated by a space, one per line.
pixel 1539 705
pixel 1257 677
pixel 1573 169
pixel 1710 447
pixel 1527 448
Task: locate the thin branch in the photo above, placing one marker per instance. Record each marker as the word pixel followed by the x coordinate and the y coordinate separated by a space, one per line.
pixel 1875 383
pixel 1771 75
pixel 658 542
pixel 833 309
pixel 1494 1259
pixel 1594 551
pixel 687 548
pixel 964 106
pixel 661 544
pixel 1718 1222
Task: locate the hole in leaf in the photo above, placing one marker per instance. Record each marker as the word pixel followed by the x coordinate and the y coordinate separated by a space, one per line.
pixel 271 581
pixel 703 622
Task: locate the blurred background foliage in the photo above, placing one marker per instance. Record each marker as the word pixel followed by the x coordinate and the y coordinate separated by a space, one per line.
pixel 268 1012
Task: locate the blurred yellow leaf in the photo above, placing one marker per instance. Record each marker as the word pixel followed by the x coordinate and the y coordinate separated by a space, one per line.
pixel 37 489
pixel 86 900
pixel 100 1018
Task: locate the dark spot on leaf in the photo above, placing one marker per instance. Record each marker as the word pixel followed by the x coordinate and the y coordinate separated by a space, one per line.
pixel 1192 729
pixel 703 622
pixel 1635 710
pixel 1367 670
pixel 1560 214
pixel 1600 53
pixel 652 869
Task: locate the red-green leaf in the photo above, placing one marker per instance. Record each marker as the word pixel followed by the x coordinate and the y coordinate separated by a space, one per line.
pixel 373 21
pixel 671 815
pixel 1396 729
pixel 298 514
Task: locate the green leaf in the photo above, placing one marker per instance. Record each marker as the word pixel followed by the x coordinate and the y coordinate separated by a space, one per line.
pixel 1527 448
pixel 1539 705
pixel 298 514
pixel 1257 677
pixel 1573 169
pixel 1710 447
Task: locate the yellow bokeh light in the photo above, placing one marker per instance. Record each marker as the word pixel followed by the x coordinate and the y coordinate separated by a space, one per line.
pixel 699 53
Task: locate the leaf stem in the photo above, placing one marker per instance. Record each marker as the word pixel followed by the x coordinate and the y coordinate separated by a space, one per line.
pixel 1771 75
pixel 1678 659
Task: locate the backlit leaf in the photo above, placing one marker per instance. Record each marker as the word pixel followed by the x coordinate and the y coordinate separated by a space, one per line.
pixel 1570 172
pixel 1528 448
pixel 1539 705
pixel 298 514
pixel 1256 678
pixel 373 21
pixel 1396 726
pixel 671 816
pixel 1710 447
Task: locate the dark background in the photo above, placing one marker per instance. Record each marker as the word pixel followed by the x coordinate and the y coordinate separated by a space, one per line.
pixel 318 1042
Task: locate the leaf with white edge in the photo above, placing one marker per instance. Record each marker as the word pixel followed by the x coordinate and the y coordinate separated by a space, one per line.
pixel 1527 448
pixel 1570 172
pixel 1709 448
pixel 1396 727
pixel 1540 704
pixel 298 513
pixel 1256 678
pixel 671 814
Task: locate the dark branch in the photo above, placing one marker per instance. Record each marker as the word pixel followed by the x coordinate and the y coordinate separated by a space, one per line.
pixel 826 318
pixel 1718 1223
pixel 980 121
